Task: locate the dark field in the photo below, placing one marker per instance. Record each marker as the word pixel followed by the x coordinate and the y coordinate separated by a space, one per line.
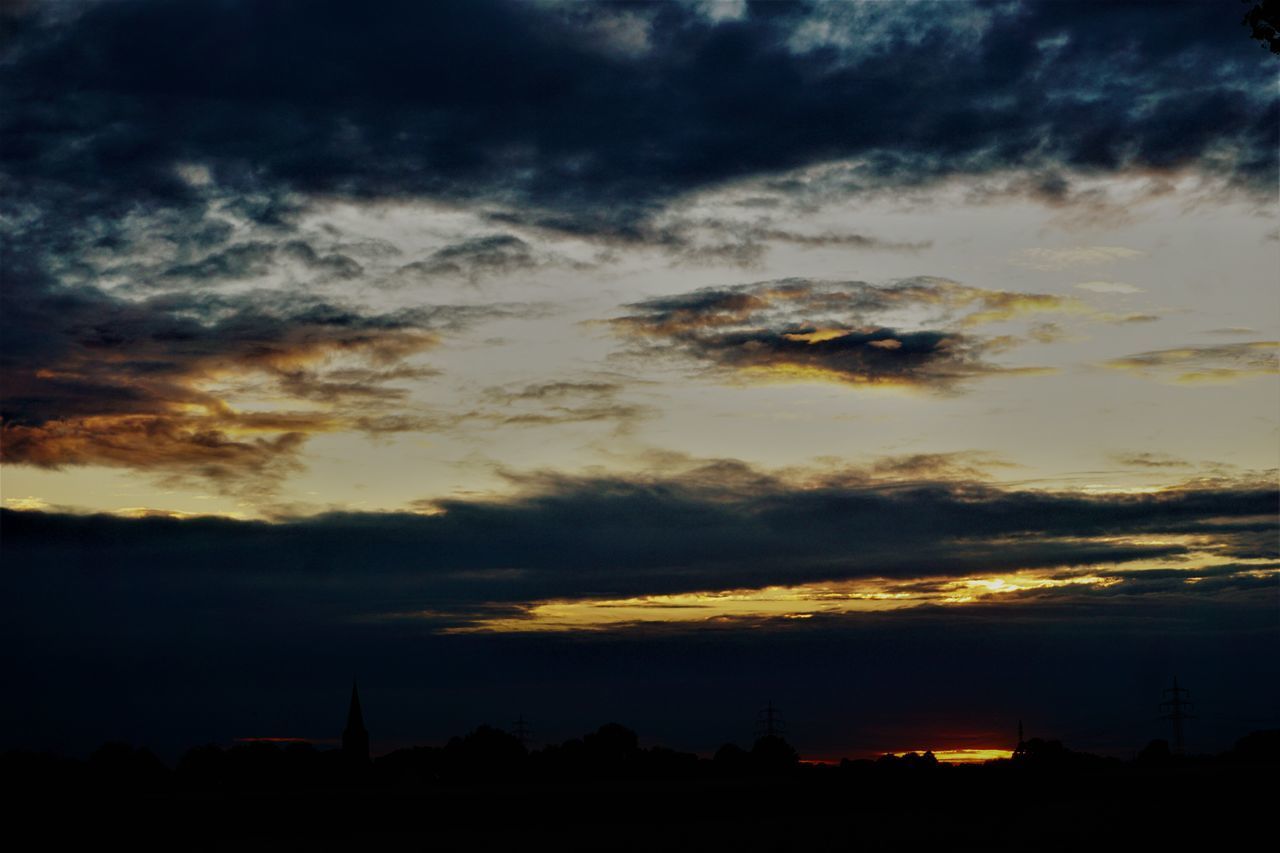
pixel 1210 808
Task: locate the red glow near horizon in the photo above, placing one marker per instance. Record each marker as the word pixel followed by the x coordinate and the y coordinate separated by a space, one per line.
pixel 966 755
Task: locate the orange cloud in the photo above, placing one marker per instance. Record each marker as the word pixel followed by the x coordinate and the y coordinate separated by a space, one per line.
pixel 223 390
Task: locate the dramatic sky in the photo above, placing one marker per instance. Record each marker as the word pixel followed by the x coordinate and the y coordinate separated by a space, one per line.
pixel 911 365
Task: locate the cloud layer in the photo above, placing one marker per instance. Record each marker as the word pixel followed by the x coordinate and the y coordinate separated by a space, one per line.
pixel 714 526
pixel 533 102
pixel 93 378
pixel 797 329
pixel 153 176
pixel 1196 364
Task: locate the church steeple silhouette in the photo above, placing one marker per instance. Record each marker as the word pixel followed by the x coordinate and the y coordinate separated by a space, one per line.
pixel 1020 751
pixel 355 737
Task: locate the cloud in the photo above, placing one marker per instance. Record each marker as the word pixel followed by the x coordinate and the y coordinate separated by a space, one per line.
pixel 1108 287
pixel 1126 319
pixel 96 622
pixel 95 379
pixel 561 402
pixel 714 241
pixel 833 240
pixel 1191 365
pixel 96 609
pixel 1053 260
pixel 1046 333
pixel 255 259
pixel 554 391
pixel 480 257
pixel 1146 459
pixel 712 526
pixel 797 329
pixel 601 116
pixel 966 465
pixel 1233 331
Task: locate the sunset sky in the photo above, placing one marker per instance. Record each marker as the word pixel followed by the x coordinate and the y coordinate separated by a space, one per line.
pixel 914 366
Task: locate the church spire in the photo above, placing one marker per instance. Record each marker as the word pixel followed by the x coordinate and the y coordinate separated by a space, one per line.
pixel 355 738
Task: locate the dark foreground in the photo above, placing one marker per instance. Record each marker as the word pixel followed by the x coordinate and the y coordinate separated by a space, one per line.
pixel 948 808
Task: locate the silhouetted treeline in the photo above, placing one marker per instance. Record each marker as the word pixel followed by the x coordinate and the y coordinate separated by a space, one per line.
pixel 487 755
pixel 603 791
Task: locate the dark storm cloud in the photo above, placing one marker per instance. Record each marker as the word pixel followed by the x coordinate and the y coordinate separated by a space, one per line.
pixel 1147 579
pixel 720 526
pixel 880 356
pixel 171 632
pixel 801 329
pixel 531 105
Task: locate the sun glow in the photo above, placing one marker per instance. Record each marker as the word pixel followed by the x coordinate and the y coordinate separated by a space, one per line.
pixel 972 589
pixel 802 602
pixel 799 602
pixel 817 336
pixel 964 756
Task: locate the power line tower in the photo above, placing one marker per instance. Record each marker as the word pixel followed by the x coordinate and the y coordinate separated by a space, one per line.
pixel 769 722
pixel 520 728
pixel 1178 709
pixel 1020 751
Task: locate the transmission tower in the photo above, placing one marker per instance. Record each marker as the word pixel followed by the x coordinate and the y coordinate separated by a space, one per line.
pixel 1178 709
pixel 769 722
pixel 520 728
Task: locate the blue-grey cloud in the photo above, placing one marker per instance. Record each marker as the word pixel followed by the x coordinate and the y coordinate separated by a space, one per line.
pixel 718 526
pixel 520 103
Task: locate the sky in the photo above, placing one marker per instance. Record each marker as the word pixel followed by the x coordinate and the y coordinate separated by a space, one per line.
pixel 913 366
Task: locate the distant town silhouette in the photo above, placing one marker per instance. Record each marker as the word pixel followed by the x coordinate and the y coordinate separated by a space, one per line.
pixel 761 797
pixel 613 751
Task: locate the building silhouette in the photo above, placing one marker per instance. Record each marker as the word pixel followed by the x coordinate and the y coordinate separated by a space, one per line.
pixel 1020 751
pixel 355 737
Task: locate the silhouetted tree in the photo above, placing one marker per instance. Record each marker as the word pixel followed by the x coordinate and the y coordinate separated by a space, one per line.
pixel 661 763
pixel 418 765
pixel 486 752
pixel 21 770
pixel 1155 754
pixel 908 761
pixel 254 766
pixel 612 743
pixel 119 765
pixel 850 767
pixel 771 755
pixel 1263 21
pixel 202 767
pixel 1052 755
pixel 732 760
pixel 1257 748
